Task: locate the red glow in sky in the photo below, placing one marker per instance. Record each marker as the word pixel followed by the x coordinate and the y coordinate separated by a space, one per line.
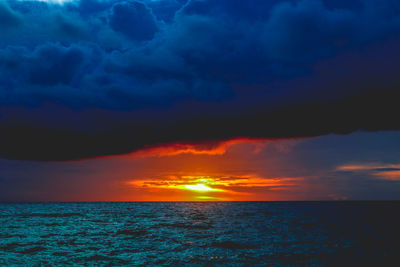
pixel 239 170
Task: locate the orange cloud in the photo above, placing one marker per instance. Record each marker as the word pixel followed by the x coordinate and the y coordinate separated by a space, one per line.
pixel 389 175
pixel 382 171
pixel 202 148
pixel 367 167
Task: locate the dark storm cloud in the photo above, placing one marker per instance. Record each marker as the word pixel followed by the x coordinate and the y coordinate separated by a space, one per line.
pixel 98 77
pixel 134 20
pixel 8 18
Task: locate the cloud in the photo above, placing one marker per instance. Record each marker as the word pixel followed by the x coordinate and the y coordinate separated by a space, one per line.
pixel 389 172
pixel 8 18
pixel 369 167
pixel 134 20
pixel 97 77
pixel 55 66
pixel 206 148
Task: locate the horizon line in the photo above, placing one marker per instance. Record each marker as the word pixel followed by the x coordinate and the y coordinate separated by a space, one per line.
pixel 187 201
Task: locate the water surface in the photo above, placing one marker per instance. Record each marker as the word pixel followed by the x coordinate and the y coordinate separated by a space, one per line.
pixel 201 233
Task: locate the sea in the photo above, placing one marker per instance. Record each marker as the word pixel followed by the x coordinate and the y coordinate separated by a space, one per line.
pixel 345 233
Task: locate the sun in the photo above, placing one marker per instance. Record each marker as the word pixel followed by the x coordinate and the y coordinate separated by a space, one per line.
pixel 199 187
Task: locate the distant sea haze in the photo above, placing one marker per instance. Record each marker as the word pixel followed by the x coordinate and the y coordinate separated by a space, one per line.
pixel 201 233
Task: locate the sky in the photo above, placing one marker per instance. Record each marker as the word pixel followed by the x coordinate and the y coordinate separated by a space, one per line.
pixel 174 100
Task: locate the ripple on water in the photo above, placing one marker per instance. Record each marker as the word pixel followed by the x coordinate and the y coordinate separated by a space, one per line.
pixel 133 233
pixel 32 250
pixel 233 245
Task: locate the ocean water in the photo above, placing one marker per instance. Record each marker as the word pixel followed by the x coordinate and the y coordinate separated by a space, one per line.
pixel 201 234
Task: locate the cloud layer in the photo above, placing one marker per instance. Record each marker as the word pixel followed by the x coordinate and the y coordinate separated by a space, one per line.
pixel 100 77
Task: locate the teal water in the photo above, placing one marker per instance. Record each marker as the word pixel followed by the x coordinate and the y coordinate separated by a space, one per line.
pixel 201 234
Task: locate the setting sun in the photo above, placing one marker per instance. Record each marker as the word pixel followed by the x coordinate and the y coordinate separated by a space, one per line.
pixel 200 187
pixel 215 186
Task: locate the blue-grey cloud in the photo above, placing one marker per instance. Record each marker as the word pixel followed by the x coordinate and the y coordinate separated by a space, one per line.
pixel 134 20
pixel 8 18
pixel 179 71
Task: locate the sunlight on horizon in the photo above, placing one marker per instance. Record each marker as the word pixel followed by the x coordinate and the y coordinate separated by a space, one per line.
pixel 215 187
pixel 200 187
